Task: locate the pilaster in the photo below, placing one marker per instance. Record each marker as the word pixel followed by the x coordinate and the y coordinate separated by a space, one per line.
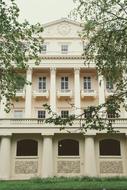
pixel 28 98
pixel 53 89
pixel 77 91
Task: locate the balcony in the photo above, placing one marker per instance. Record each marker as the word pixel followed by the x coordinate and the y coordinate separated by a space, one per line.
pixel 88 93
pixel 36 125
pixel 41 93
pixel 64 93
pixel 20 93
pixel 109 92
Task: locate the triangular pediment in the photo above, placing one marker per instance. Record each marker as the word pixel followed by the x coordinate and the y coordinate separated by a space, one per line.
pixel 62 28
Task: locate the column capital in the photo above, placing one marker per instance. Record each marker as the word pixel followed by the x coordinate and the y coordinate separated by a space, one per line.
pixel 77 69
pixel 52 69
pixel 47 134
pixel 6 134
pixel 29 70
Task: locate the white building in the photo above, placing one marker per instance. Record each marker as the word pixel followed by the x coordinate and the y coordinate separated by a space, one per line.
pixel 30 148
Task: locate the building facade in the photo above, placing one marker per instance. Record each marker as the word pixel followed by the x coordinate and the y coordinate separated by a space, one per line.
pixel 31 148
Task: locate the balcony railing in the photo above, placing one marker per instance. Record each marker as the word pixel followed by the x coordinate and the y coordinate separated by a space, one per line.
pixel 64 93
pixel 109 92
pixel 34 123
pixel 41 93
pixel 20 93
pixel 88 93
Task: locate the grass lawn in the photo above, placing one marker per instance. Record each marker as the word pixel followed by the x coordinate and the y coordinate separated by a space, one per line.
pixel 66 183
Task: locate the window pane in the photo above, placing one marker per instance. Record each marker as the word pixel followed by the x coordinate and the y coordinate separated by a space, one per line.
pixel 18 114
pixel 41 114
pixel 87 83
pixel 109 147
pixel 27 147
pixel 68 147
pixel 64 113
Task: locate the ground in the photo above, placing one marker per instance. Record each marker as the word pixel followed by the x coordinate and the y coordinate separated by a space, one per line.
pixel 116 183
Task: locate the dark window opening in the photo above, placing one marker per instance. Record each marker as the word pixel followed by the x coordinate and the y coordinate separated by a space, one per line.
pixel 109 147
pixel 68 147
pixel 27 147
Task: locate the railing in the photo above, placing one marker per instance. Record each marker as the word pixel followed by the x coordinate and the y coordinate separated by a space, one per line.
pixel 29 122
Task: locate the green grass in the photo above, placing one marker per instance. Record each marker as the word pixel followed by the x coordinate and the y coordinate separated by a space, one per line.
pixel 66 184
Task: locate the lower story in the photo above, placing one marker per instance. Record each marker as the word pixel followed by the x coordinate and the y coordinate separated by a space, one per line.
pixel 23 156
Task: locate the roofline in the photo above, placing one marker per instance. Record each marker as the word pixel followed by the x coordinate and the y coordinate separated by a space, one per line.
pixel 61 20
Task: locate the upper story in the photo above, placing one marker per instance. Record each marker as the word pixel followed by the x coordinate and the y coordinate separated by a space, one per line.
pixel 61 37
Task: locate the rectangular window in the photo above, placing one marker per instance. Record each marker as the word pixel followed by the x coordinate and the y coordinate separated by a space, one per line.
pixel 41 114
pixel 64 49
pixel 64 114
pixel 42 84
pixel 18 113
pixel 64 83
pixel 87 83
pixel 43 48
pixel 87 113
pixel 109 85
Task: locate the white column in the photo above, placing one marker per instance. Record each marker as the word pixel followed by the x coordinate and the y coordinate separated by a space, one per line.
pixel 28 98
pixel 101 89
pixel 77 91
pixel 5 157
pixel 47 157
pixel 2 107
pixel 53 89
pixel 90 159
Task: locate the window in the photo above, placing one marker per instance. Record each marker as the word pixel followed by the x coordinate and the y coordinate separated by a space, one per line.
pixel 64 114
pixel 18 113
pixel 109 85
pixel 43 48
pixel 87 113
pixel 42 83
pixel 41 114
pixel 87 83
pixel 68 147
pixel 112 114
pixel 64 83
pixel 109 147
pixel 27 147
pixel 64 49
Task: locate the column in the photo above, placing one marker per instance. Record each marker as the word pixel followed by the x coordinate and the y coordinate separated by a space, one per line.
pixel 47 156
pixel 90 159
pixel 5 157
pixel 77 91
pixel 2 107
pixel 53 89
pixel 101 89
pixel 28 98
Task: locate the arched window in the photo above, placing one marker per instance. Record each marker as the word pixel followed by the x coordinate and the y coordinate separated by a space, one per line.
pixel 109 147
pixel 27 147
pixel 68 147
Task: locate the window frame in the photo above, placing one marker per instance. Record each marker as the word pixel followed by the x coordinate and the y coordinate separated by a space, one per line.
pixel 77 152
pixel 63 114
pixel 42 114
pixel 43 48
pixel 87 83
pixel 36 153
pixel 18 111
pixel 64 83
pixel 110 155
pixel 42 83
pixel 64 48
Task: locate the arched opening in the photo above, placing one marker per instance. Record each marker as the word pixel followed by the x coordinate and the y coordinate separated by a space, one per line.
pixel 68 147
pixel 109 147
pixel 27 147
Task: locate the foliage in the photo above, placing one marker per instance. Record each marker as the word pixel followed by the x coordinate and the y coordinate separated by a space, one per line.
pixel 19 43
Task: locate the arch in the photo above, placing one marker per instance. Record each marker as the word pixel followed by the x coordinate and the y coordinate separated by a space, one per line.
pixel 27 147
pixel 68 147
pixel 109 147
